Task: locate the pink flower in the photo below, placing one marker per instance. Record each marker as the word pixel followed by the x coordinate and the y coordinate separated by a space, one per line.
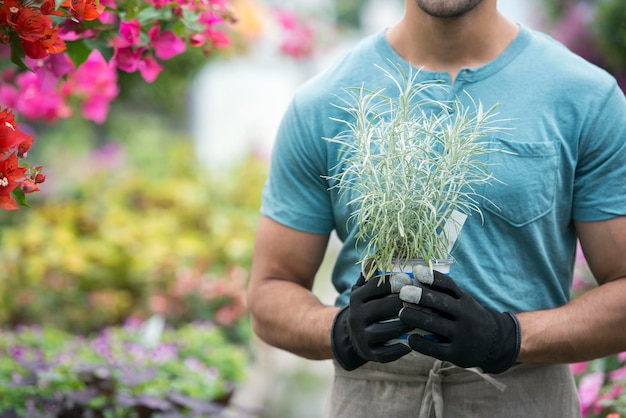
pixel 578 368
pixel 127 59
pixel 209 18
pixel 609 396
pixel 50 69
pixel 149 68
pixel 158 304
pixel 197 40
pixel 622 357
pixel 588 390
pixel 222 4
pixel 166 44
pixel 95 82
pixel 130 31
pixel 580 257
pixel 31 102
pixel 298 37
pixel 108 18
pixel 219 40
pixel 618 374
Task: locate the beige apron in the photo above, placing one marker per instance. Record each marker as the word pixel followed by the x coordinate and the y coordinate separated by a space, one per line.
pixel 422 387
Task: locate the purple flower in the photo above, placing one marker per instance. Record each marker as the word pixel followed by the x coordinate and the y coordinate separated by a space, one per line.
pixel 101 346
pixel 194 364
pixel 18 352
pixel 164 353
pixel 137 352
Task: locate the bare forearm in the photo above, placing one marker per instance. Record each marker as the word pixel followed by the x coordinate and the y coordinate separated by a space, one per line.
pixel 290 317
pixel 590 326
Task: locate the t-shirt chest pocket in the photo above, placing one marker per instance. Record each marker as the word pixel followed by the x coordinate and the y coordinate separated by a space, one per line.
pixel 526 173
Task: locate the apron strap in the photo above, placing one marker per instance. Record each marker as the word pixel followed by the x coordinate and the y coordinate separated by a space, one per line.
pixel 432 402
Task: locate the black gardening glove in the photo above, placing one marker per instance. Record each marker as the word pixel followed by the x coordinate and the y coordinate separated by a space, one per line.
pixel 468 334
pixel 361 329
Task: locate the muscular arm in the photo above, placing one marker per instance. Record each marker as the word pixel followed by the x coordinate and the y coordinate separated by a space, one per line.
pixel 590 326
pixel 284 312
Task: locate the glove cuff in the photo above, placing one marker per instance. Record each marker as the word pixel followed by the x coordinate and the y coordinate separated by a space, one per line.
pixel 505 351
pixel 340 342
pixel 518 337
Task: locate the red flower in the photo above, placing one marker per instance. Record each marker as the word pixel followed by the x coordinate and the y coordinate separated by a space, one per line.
pixel 11 176
pixel 11 136
pixel 84 9
pixel 38 36
pixel 48 7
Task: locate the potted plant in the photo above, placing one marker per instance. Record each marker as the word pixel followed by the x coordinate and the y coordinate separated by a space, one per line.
pixel 412 168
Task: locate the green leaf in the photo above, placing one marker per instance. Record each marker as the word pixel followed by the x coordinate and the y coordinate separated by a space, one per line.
pixel 20 197
pixel 150 13
pixel 190 20
pixel 78 52
pixel 57 4
pixel 17 53
pixel 101 45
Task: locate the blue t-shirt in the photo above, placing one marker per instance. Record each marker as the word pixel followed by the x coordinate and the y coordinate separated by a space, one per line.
pixel 566 128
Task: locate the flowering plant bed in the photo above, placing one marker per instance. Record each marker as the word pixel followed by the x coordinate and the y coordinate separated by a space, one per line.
pixel 65 51
pixel 127 371
pixel 59 58
pixel 117 238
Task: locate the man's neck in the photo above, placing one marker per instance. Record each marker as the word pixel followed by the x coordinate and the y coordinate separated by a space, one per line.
pixel 448 44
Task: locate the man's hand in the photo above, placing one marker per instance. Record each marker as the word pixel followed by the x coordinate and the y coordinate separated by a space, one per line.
pixel 361 329
pixel 468 334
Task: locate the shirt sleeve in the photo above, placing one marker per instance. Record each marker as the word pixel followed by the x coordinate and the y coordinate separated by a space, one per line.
pixel 600 182
pixel 295 193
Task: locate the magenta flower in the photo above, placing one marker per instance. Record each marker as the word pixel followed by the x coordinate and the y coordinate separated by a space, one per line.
pixel 197 40
pixel 618 374
pixel 588 391
pixel 208 18
pixel 95 82
pixel 27 99
pixel 298 37
pixel 149 68
pixel 127 59
pixel 578 368
pixel 108 18
pixel 609 396
pixel 165 43
pixel 130 31
pixel 50 69
pixel 219 40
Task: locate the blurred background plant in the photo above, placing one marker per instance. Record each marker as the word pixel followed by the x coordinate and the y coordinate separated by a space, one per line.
pixel 131 228
pixel 66 57
pixel 593 29
pixel 120 372
pixel 601 382
pixel 127 231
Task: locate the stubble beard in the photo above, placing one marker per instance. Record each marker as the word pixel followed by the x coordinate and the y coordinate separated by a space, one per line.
pixel 447 8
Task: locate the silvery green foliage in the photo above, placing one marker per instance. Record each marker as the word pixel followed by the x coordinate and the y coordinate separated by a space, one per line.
pixel 408 163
